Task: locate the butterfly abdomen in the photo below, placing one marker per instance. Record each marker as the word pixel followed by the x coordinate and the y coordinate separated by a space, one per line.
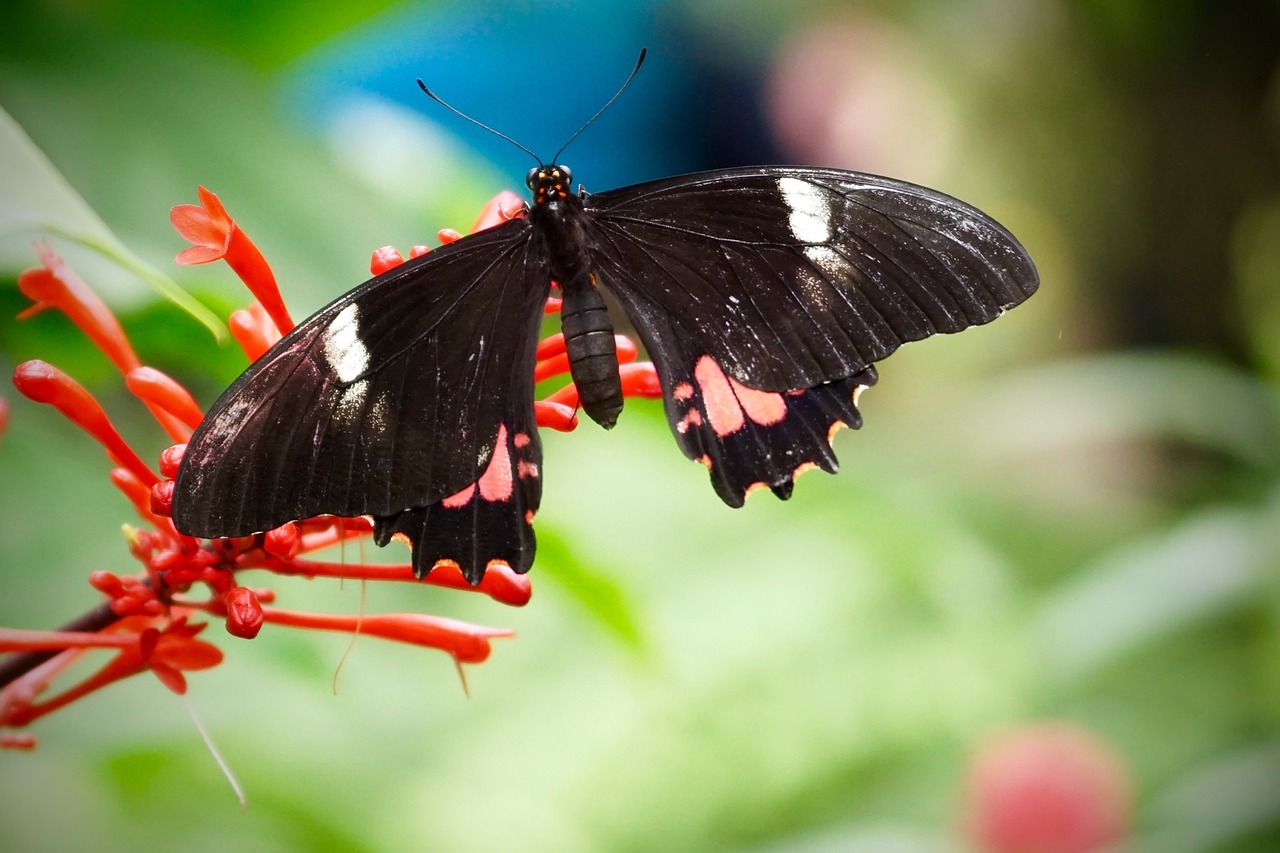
pixel 593 355
pixel 584 319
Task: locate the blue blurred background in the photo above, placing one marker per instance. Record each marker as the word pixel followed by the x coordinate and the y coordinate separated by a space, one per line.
pixel 1070 515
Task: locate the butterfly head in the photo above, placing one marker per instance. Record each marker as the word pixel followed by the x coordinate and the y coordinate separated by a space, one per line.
pixel 549 183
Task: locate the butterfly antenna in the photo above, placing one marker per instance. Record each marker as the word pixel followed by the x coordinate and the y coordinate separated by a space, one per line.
pixel 630 77
pixel 433 96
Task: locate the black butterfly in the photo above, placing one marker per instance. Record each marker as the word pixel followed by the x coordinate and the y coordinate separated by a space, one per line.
pixel 763 295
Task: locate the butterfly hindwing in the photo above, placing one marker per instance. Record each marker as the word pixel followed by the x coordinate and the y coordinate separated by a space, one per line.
pixel 391 399
pixel 489 520
pixel 749 438
pixel 764 295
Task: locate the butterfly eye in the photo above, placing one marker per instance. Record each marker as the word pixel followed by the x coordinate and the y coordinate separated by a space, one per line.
pixel 565 175
pixel 531 179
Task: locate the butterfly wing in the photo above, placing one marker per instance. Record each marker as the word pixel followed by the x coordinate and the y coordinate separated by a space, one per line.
pixel 397 397
pixel 764 294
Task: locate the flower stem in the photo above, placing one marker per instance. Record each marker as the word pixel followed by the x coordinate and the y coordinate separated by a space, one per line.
pixel 18 664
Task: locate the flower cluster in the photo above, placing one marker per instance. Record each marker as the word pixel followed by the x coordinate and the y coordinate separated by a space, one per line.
pixel 153 621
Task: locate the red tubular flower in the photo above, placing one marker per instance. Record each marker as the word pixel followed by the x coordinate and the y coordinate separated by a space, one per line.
pixel 465 642
pixel 145 618
pixel 54 285
pixel 217 237
pixel 44 383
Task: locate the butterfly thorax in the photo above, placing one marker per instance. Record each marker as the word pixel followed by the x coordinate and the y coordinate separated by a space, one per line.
pixel 558 217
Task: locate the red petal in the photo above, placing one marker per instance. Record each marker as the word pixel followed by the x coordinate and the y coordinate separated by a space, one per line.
pixel 170 678
pixel 213 205
pixel 183 652
pixel 199 255
pixel 197 227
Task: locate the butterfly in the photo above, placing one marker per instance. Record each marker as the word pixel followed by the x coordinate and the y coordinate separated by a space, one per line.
pixel 763 295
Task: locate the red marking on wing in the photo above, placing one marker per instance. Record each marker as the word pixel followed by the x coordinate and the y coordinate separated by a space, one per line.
pixel 682 391
pixel 764 407
pixel 723 409
pixel 497 481
pixel 521 440
pixel 461 498
pixel 693 417
pixel 729 403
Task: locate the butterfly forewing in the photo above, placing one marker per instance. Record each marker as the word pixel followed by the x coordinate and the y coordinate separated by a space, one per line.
pixel 390 398
pixel 792 277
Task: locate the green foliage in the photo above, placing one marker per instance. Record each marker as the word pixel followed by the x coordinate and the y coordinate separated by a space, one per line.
pixel 1072 514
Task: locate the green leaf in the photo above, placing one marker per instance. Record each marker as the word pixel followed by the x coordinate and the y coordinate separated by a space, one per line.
pixel 596 593
pixel 1147 590
pixel 36 199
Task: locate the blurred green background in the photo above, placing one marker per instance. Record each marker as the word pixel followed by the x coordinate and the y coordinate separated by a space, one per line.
pixel 1072 514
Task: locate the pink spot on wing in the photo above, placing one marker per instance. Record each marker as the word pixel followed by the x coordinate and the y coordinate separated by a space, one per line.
pixel 459 499
pixel 693 417
pixel 764 407
pixel 682 391
pixel 723 410
pixel 527 469
pixel 521 440
pixel 496 482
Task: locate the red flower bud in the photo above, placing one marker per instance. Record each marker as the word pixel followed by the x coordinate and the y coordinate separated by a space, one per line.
pixel 283 542
pixel 171 460
pixel 162 498
pixel 244 613
pixel 386 258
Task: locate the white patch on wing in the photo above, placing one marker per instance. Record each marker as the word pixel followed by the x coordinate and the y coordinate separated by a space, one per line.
pixel 828 261
pixel 343 349
pixel 810 217
pixel 350 404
